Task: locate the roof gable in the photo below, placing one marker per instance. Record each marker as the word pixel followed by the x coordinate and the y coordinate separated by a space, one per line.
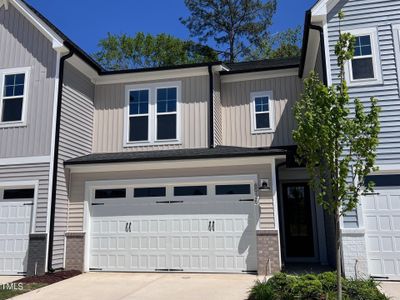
pixel 323 7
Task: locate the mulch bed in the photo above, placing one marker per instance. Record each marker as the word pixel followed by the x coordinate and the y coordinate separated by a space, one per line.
pixel 49 278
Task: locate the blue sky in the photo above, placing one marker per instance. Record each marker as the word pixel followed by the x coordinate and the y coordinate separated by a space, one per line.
pixel 87 21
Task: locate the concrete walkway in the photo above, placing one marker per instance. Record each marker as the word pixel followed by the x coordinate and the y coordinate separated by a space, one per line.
pixel 391 289
pixel 7 279
pixel 132 286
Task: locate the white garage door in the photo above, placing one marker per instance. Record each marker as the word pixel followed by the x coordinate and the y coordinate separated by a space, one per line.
pixel 15 222
pixel 382 222
pixel 203 232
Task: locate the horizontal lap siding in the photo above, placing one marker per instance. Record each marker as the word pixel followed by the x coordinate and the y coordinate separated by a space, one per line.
pixel 78 187
pixel 381 15
pixel 109 116
pixel 76 135
pixel 31 172
pixel 22 45
pixel 236 112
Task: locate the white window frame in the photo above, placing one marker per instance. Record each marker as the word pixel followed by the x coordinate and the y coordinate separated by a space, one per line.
pixel 152 114
pixel 3 74
pixel 376 62
pixel 253 96
pixel 396 40
pixel 148 115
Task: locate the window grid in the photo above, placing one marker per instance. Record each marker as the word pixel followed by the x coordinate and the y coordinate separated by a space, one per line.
pixel 166 105
pixel 262 108
pixel 13 94
pixel 139 108
pixel 363 58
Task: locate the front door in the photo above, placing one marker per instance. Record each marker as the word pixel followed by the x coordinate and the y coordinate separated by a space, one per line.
pixel 299 239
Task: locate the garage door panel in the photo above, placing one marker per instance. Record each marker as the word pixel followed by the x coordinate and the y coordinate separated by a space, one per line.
pixel 382 222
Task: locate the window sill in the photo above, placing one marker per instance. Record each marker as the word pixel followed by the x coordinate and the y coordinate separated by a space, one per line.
pixel 12 124
pixel 262 131
pixel 364 82
pixel 149 144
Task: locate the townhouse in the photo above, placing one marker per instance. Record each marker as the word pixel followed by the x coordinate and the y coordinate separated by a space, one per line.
pixel 183 168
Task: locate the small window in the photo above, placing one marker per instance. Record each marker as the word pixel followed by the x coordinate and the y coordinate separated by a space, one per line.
pixel 166 113
pixel 363 64
pixel 262 114
pixel 190 191
pixel 19 194
pixel 139 115
pixel 149 192
pixel 237 189
pixel 12 100
pixel 110 193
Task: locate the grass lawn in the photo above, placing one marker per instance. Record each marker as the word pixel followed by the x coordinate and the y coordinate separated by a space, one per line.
pixel 18 289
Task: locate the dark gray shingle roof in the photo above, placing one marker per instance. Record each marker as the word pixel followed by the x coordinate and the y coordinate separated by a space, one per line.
pixel 217 152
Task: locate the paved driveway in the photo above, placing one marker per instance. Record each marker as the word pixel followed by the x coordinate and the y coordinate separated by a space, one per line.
pixel 118 286
pixel 7 279
pixel 391 289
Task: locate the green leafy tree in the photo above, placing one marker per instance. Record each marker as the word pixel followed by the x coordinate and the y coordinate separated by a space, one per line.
pixel 118 52
pixel 284 44
pixel 337 147
pixel 234 25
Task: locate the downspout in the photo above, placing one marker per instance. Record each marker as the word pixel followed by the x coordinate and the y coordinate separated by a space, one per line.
pixel 55 164
pixel 323 54
pixel 278 193
pixel 211 108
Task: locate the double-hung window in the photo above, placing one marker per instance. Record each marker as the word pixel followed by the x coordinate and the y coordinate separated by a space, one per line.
pixel 139 115
pixel 153 114
pixel 13 85
pixel 262 112
pixel 364 68
pixel 166 113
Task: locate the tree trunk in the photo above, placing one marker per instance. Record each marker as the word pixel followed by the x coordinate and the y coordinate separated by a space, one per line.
pixel 338 255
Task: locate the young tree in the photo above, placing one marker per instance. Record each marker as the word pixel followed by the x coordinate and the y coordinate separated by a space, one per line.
pixel 234 25
pixel 118 52
pixel 338 147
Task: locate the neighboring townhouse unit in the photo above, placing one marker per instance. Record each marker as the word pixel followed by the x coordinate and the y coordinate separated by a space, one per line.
pixel 371 235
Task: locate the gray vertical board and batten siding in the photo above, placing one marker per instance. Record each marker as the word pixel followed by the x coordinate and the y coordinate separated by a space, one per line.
pixel 381 15
pixel 22 45
pixel 76 135
pixel 109 116
pixel 236 111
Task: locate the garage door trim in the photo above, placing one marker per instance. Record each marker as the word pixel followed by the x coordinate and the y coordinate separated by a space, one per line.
pixel 90 187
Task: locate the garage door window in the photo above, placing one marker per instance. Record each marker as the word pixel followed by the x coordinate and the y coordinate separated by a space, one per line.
pixel 190 191
pixel 110 193
pixel 19 194
pixel 149 192
pixel 238 189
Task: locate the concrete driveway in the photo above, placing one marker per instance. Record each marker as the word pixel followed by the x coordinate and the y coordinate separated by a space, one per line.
pixel 391 289
pixel 7 279
pixel 118 286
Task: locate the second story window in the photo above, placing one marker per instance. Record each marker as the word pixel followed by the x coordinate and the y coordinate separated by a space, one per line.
pixel 364 68
pixel 153 114
pixel 13 97
pixel 262 117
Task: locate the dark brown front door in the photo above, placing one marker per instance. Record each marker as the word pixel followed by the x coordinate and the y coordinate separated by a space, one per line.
pixel 298 220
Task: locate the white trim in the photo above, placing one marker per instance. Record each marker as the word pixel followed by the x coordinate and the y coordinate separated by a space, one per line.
pixel 276 210
pixel 226 78
pixel 387 169
pixel 25 97
pixel 323 7
pixel 209 180
pixel 396 40
pixel 152 114
pixel 24 160
pixel 173 164
pixel 56 40
pixel 52 150
pixel 26 184
pixel 373 33
pixel 327 53
pixel 271 112
pixel 137 77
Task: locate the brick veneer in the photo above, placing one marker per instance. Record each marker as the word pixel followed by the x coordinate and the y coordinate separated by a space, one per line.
pixel 37 254
pixel 268 252
pixel 75 251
